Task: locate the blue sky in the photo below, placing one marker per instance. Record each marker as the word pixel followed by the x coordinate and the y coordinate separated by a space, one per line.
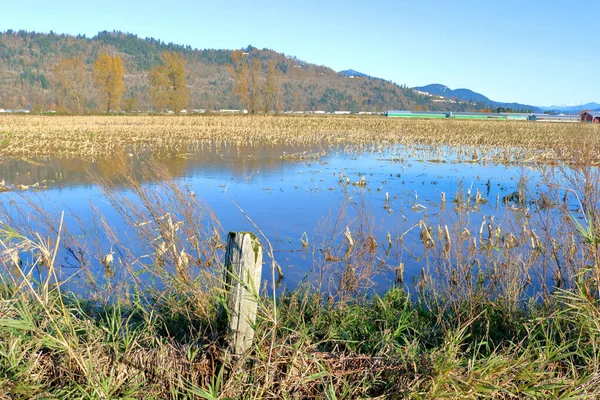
pixel 535 52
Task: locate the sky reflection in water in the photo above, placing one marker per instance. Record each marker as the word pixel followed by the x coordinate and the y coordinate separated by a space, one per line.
pixel 287 198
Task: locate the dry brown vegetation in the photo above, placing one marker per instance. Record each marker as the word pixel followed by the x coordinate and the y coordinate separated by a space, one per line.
pixel 96 137
pixel 147 325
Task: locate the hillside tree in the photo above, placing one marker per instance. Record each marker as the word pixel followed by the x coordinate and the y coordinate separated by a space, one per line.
pixel 168 84
pixel 131 104
pixel 273 88
pixel 71 81
pixel 240 72
pixel 255 86
pixel 108 78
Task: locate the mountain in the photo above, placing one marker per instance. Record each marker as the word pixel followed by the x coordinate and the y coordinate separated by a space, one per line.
pixel 573 109
pixel 28 61
pixel 471 96
pixel 354 74
pixel 461 94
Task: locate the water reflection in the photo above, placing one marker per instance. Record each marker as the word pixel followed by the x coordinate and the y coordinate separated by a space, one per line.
pixel 387 203
pixel 234 163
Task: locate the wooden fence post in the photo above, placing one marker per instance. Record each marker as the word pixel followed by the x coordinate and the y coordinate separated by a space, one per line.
pixel 242 277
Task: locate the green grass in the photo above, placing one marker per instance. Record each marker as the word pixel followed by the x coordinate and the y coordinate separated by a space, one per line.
pixel 59 345
pixel 5 138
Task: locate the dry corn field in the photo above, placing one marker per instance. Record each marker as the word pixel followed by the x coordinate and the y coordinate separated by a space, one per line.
pixel 98 137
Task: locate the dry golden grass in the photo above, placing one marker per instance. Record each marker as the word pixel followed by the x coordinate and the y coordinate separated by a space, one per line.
pixel 93 137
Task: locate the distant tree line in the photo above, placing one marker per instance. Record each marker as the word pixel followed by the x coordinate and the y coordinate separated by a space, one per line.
pixel 511 110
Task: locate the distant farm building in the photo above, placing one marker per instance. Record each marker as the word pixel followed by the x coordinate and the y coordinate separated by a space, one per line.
pixel 593 117
pixel 589 116
pixel 233 111
pixel 416 114
pixel 554 118
pixel 456 115
pixel 14 111
pixel 478 115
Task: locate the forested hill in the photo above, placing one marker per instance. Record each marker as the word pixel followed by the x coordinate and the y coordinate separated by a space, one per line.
pixel 468 95
pixel 28 61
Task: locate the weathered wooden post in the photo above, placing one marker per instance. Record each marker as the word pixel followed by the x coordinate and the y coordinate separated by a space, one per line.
pixel 243 268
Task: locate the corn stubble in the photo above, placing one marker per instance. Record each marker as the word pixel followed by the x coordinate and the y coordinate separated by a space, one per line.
pixel 94 137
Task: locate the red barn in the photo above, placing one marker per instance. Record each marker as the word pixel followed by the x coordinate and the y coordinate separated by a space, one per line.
pixel 590 116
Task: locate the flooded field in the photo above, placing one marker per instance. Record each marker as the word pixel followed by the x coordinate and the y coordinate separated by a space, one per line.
pixel 345 205
pixel 338 220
